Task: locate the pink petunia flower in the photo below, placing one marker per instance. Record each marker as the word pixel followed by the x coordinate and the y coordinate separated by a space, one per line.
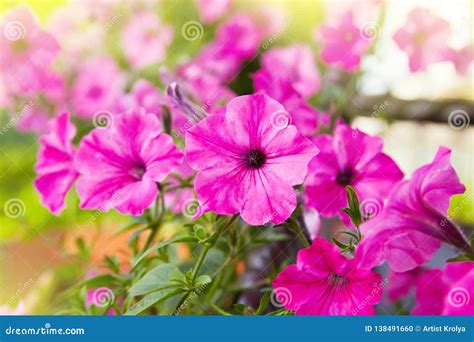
pixel 145 95
pixel 303 116
pixel 120 165
pixel 462 58
pixel 97 87
pixel 324 282
pixel 401 283
pixel 54 167
pixel 26 49
pixel 349 157
pixel 211 10
pixel 294 63
pixel 248 160
pixel 344 44
pixel 423 38
pixel 446 291
pixel 145 39
pixel 413 224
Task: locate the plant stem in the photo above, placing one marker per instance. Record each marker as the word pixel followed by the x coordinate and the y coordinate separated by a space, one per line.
pixel 294 225
pixel 159 212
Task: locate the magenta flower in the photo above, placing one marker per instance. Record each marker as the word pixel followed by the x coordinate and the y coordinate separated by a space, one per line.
pixel 413 224
pixel 54 167
pixel 145 95
pixel 248 160
pixel 121 165
pixel 350 157
pixel 294 63
pixel 97 87
pixel 145 39
pixel 26 50
pixel 401 283
pixel 211 10
pixel 303 116
pixel 344 44
pixel 423 38
pixel 446 291
pixel 324 282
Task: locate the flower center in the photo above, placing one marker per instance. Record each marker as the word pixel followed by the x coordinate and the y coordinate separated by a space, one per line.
pixel 345 176
pixel 138 171
pixel 255 158
pixel 335 279
pixel 94 92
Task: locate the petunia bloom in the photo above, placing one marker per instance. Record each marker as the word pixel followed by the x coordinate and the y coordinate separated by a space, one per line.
pixel 343 45
pixel 143 94
pixel 423 38
pixel 97 87
pixel 461 58
pixel 248 160
pixel 211 10
pixel 324 282
pixel 145 39
pixel 120 165
pixel 349 157
pixel 401 283
pixel 446 291
pixel 26 50
pixel 54 167
pixel 294 63
pixel 413 224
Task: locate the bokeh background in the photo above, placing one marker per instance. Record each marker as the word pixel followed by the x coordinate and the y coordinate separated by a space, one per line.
pixel 41 255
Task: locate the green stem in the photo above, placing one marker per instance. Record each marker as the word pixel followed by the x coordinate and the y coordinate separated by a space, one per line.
pixel 157 217
pixel 294 225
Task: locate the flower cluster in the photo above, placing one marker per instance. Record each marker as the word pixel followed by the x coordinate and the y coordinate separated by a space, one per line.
pixel 265 155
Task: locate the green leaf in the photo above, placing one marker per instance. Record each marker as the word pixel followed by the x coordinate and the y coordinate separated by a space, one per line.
pixel 354 207
pixel 156 279
pixel 162 244
pixel 128 227
pixel 214 260
pixel 263 303
pixel 339 243
pixel 152 299
pixel 98 281
pixel 461 257
pixel 112 263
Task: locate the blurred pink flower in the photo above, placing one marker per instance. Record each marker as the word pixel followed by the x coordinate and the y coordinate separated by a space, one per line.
pixel 294 63
pixel 324 282
pixel 54 167
pixel 248 160
pixel 303 116
pixel 400 283
pixel 423 38
pixel 211 10
pixel 97 87
pixel 145 95
pixel 120 165
pixel 413 224
pixel 461 58
pixel 343 44
pixel 26 50
pixel 349 157
pixel 446 291
pixel 19 309
pixel 145 39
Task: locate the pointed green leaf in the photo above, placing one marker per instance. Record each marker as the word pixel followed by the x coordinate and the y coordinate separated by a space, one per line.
pixel 155 279
pixel 152 299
